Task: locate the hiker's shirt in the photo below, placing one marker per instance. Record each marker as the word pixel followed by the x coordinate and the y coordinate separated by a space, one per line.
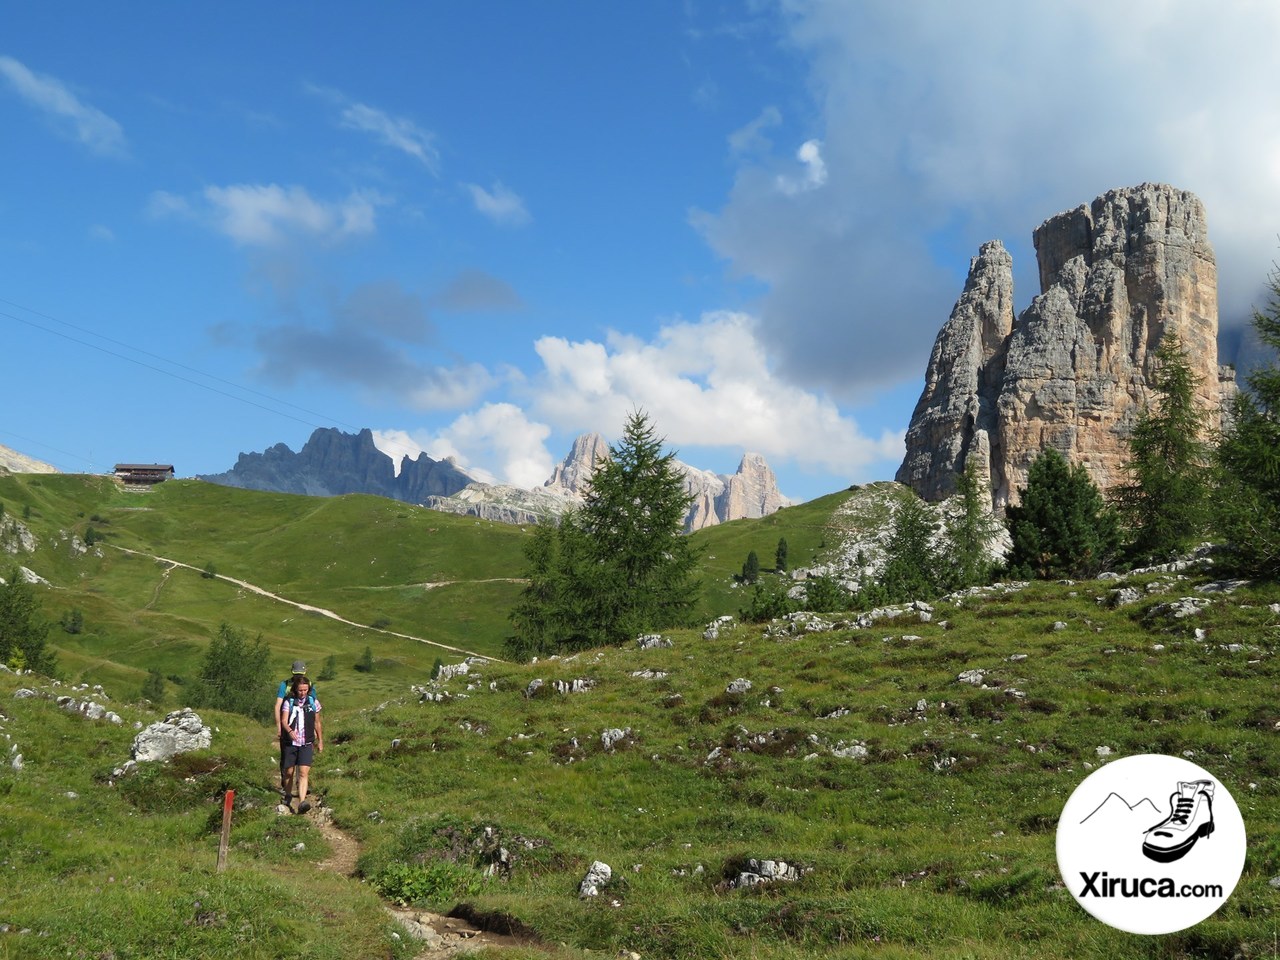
pixel 300 720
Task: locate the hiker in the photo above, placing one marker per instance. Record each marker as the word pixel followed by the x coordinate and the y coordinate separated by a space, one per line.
pixel 286 785
pixel 302 730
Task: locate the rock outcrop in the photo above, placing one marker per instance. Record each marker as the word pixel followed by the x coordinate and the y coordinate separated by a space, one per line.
pixel 182 731
pixel 1071 372
pixel 332 463
pixel 11 461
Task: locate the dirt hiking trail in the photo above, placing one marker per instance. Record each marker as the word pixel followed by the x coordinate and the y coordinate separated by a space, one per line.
pixel 440 937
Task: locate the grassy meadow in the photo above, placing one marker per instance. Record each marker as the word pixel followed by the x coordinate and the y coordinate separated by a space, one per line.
pixel 935 838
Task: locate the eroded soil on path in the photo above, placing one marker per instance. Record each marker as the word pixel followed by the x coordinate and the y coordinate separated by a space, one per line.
pixel 440 936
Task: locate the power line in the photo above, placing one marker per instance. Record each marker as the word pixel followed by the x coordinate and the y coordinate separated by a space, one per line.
pixel 328 420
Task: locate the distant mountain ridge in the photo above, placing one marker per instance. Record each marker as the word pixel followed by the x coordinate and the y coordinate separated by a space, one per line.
pixel 332 463
pixel 750 493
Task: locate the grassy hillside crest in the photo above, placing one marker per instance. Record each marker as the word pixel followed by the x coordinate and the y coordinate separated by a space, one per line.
pixel 919 809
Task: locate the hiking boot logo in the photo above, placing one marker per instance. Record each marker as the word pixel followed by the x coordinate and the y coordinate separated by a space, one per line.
pixel 1190 818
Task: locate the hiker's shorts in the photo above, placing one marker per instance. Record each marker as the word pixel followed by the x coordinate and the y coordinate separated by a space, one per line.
pixel 294 756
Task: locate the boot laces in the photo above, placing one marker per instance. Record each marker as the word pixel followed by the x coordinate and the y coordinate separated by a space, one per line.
pixel 1182 811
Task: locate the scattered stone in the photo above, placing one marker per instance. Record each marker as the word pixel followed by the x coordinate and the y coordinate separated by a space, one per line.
pixel 648 674
pixel 716 626
pixel 24 693
pixel 597 876
pixel 741 685
pixel 1124 597
pixel 1103 751
pixel 612 737
pixel 1182 608
pixel 532 689
pixel 572 686
pixel 655 641
pixel 180 732
pixel 974 677
pixel 767 871
pixel 854 751
pixel 1059 625
pixel 1222 586
pixel 1017 657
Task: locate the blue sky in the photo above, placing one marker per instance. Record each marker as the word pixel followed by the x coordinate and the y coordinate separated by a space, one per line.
pixel 481 229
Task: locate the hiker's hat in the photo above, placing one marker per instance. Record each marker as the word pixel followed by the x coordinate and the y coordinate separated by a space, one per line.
pixel 299 666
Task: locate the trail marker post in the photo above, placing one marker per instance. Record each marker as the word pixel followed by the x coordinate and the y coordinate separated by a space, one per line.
pixel 226 830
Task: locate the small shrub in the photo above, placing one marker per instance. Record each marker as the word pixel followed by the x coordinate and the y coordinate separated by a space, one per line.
pixel 365 663
pixel 381 623
pixel 433 883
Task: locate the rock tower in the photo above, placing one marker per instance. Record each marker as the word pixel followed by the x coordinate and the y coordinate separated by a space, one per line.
pixel 1071 371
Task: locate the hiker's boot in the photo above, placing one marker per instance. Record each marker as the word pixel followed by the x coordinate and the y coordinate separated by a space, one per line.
pixel 1190 818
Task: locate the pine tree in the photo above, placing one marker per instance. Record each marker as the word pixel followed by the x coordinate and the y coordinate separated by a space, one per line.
pixel 751 568
pixel 22 630
pixel 1249 457
pixel 1062 527
pixel 1165 506
pixel 780 556
pixel 618 566
pixel 365 663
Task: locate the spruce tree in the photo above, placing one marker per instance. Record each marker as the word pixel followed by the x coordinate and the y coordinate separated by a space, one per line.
pixel 1062 527
pixel 1249 457
pixel 780 556
pixel 1165 505
pixel 969 531
pixel 751 568
pixel 618 566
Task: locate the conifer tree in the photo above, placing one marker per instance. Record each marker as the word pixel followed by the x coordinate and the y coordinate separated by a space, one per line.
pixel 618 566
pixel 22 629
pixel 1165 505
pixel 1249 456
pixel 780 556
pixel 1062 527
pixel 235 675
pixel 751 568
pixel 969 531
pixel 913 567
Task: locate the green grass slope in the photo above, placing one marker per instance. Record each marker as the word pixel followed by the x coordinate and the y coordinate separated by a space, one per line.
pixel 372 561
pixel 937 842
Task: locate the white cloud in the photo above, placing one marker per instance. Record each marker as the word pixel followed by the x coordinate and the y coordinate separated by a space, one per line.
pixel 398 132
pixel 945 126
pixel 815 172
pixel 501 205
pixel 102 233
pixel 496 433
pixel 704 384
pixel 85 123
pixel 450 388
pixel 266 215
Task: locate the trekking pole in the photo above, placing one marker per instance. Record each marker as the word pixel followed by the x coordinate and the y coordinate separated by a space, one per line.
pixel 226 830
